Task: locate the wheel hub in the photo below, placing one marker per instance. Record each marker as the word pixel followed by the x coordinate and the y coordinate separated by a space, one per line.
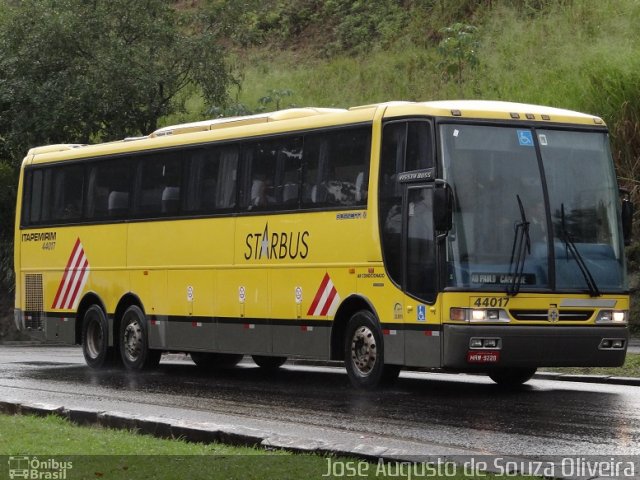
pixel 133 341
pixel 363 350
pixel 94 339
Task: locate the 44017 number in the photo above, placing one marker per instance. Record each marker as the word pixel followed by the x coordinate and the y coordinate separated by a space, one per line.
pixel 491 302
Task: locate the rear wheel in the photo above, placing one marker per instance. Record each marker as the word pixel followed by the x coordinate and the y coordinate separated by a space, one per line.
pixel 364 353
pixel 215 361
pixel 267 362
pixel 95 338
pixel 134 341
pixel 510 377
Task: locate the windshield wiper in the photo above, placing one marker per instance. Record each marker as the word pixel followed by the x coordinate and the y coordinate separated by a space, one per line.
pixel 571 247
pixel 521 247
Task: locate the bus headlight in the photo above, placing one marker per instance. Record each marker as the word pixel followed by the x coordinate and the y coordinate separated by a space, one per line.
pixel 612 316
pixel 474 315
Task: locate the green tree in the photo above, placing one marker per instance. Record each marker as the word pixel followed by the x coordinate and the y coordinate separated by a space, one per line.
pixel 83 71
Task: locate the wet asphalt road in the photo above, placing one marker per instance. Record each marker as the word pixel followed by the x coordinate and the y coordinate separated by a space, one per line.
pixel 424 413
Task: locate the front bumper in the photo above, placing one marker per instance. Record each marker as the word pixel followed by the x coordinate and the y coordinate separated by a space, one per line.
pixel 535 346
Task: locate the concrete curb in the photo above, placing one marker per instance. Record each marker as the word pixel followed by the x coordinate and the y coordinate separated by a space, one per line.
pixel 570 377
pixel 205 432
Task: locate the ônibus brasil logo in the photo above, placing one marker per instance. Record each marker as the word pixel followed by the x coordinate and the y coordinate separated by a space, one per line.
pixel 35 468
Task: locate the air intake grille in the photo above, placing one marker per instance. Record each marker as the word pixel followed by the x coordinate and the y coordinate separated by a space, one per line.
pixel 33 301
pixel 543 315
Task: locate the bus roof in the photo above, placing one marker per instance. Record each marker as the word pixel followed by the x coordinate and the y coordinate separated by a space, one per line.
pixel 308 118
pixel 497 110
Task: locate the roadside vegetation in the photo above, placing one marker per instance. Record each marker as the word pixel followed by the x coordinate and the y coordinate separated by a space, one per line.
pixel 631 369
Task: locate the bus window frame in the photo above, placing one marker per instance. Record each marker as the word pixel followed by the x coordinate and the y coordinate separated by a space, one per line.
pixel 135 158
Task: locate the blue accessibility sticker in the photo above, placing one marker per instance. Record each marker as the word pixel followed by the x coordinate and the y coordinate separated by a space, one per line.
pixel 525 138
pixel 422 313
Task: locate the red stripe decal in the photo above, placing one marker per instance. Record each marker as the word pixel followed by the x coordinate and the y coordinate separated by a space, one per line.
pixel 66 272
pixel 74 271
pixel 83 272
pixel 319 293
pixel 329 301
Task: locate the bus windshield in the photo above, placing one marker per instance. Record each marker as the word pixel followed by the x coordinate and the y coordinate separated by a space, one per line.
pixel 508 233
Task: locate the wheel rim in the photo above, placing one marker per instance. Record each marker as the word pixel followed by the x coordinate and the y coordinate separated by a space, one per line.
pixel 132 340
pixel 363 350
pixel 94 338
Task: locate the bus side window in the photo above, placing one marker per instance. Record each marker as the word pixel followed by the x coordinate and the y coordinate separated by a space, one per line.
pixel 336 167
pixel 108 188
pixel 212 179
pixel 159 181
pixel 271 174
pixel 32 198
pixel 67 187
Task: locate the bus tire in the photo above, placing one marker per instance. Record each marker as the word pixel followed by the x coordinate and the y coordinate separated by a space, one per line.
pixel 511 377
pixel 95 338
pixel 134 341
pixel 215 361
pixel 268 363
pixel 364 353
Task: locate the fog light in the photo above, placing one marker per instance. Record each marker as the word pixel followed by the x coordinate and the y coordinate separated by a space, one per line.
pixel 475 343
pixel 605 344
pixel 490 342
pixel 617 343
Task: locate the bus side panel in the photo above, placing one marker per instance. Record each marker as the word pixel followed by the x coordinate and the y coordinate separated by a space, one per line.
pixel 388 302
pixel 242 311
pixel 291 290
pixel 60 265
pixel 191 324
pixel 150 286
pixel 175 265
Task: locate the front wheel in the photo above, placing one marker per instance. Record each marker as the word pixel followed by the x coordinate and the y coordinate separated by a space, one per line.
pixel 364 353
pixel 134 341
pixel 511 377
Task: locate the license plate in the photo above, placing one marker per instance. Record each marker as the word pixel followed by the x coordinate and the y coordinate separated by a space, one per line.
pixel 477 356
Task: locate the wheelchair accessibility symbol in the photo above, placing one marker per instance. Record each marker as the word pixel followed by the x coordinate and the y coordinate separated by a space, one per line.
pixel 525 138
pixel 422 313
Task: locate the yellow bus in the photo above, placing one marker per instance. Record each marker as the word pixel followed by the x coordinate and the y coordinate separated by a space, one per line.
pixel 462 235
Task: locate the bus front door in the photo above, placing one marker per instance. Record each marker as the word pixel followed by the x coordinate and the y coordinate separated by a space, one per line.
pixel 422 322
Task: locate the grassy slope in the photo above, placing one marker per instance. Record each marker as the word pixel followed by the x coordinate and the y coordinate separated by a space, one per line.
pixel 545 58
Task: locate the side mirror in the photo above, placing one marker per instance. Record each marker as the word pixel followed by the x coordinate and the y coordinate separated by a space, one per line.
pixel 442 209
pixel 627 217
